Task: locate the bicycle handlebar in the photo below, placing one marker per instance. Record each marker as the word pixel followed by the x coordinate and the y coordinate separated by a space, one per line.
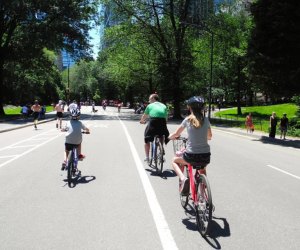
pixel 182 138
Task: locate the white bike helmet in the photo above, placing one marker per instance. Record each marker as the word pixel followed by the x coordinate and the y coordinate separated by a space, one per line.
pixel 75 113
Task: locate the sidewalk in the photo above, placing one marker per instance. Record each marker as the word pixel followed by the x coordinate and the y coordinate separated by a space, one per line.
pixel 263 136
pixel 17 123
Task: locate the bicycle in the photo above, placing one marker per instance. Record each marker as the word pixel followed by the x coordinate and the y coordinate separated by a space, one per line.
pixel 199 191
pixel 71 165
pixel 157 153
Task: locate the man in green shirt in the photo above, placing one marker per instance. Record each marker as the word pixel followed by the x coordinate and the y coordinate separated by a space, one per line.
pixel 157 125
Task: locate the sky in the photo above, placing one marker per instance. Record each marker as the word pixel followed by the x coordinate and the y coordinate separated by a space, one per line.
pixel 95 40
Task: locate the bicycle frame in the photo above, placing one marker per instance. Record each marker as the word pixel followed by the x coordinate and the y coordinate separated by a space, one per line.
pixel 71 165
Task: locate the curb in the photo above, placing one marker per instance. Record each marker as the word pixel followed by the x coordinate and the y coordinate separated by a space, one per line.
pixel 26 125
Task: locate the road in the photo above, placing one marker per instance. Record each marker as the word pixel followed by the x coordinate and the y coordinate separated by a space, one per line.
pixel 119 203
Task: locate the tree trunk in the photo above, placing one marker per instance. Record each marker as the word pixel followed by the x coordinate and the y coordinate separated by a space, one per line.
pixel 2 113
pixel 176 97
pixel 239 109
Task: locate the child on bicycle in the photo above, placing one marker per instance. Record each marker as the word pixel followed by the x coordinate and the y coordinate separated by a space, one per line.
pixel 197 147
pixel 74 135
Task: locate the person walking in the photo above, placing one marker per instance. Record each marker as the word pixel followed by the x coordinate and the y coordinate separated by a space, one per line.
pixel 249 123
pixel 284 123
pixel 273 125
pixel 157 125
pixel 36 108
pixel 59 108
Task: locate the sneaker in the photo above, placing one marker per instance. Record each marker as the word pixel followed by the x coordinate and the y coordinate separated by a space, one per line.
pixel 184 187
pixel 81 157
pixel 147 160
pixel 35 126
pixel 63 166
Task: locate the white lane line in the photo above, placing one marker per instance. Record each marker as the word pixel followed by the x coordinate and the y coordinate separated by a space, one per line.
pixel 285 172
pixel 23 146
pixel 29 150
pixel 7 156
pixel 162 227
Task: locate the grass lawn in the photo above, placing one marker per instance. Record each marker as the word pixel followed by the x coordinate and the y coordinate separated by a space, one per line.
pixel 260 115
pixel 15 110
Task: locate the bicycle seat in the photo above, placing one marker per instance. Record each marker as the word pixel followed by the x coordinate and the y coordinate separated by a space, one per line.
pixel 198 165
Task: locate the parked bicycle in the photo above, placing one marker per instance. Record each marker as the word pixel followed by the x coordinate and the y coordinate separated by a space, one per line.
pixel 157 153
pixel 71 166
pixel 199 192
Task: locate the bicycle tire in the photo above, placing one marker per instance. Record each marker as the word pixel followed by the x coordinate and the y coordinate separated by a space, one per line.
pixel 160 157
pixel 203 208
pixel 152 153
pixel 184 199
pixel 70 168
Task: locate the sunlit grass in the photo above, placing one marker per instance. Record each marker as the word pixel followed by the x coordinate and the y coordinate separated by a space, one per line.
pixel 260 114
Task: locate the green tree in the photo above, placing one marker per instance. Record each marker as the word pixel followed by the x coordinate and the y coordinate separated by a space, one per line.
pixel 274 46
pixel 29 26
pixel 162 27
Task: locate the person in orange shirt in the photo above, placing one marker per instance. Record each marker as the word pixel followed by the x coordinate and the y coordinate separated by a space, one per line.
pixel 249 123
pixel 36 108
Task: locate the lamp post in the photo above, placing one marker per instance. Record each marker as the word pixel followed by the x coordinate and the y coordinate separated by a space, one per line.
pixel 211 73
pixel 68 94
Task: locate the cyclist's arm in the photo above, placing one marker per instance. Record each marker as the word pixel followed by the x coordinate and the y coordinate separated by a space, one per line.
pixel 177 133
pixel 209 134
pixel 144 118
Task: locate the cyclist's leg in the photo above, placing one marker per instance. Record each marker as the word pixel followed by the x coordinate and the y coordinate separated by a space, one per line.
pixel 203 170
pixel 147 141
pixel 177 164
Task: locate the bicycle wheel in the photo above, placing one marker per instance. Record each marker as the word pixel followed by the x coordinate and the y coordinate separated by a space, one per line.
pixel 152 154
pixel 203 208
pixel 160 156
pixel 184 199
pixel 70 168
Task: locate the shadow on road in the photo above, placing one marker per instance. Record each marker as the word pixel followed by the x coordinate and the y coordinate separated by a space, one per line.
pixel 219 227
pixel 285 143
pixel 81 180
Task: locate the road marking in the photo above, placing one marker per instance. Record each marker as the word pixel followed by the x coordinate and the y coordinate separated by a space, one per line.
pixel 28 151
pixel 285 172
pixel 162 227
pixel 7 156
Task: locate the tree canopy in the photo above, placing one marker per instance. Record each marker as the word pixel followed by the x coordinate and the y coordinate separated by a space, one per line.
pixel 275 45
pixel 27 27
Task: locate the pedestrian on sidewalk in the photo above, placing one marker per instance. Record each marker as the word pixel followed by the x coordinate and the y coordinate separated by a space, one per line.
pixel 284 123
pixel 36 108
pixel 273 125
pixel 249 123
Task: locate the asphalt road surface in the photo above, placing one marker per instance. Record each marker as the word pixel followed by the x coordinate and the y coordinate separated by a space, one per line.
pixel 120 203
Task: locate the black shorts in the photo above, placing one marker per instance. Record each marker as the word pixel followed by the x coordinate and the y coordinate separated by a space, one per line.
pixel 197 159
pixel 156 126
pixel 69 146
pixel 35 115
pixel 59 114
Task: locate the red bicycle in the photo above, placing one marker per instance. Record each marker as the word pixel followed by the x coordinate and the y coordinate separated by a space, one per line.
pixel 199 192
